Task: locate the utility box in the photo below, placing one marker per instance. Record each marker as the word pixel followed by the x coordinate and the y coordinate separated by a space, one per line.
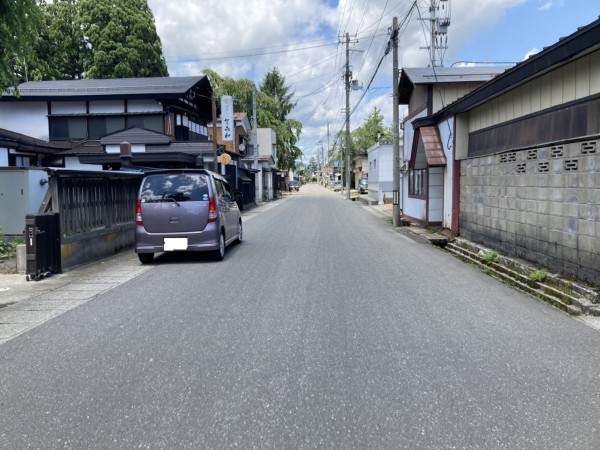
pixel 22 190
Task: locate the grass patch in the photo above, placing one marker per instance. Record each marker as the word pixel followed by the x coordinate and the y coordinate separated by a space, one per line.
pixel 489 257
pixel 537 276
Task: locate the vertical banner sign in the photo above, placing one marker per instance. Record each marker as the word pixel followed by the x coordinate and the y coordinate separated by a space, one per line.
pixel 227 118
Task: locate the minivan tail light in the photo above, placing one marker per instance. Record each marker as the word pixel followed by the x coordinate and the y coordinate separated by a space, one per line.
pixel 212 210
pixel 138 213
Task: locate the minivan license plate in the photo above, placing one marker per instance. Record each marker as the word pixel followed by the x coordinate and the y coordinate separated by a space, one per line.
pixel 175 244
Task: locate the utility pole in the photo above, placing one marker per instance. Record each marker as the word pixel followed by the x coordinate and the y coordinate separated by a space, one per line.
pixel 258 174
pixel 395 120
pixel 438 28
pixel 348 76
pixel 328 174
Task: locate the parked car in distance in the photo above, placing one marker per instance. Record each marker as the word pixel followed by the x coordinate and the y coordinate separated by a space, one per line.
pixel 294 186
pixel 363 185
pixel 337 186
pixel 191 210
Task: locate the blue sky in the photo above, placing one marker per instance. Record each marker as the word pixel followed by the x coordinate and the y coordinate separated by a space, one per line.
pixel 532 25
pixel 301 38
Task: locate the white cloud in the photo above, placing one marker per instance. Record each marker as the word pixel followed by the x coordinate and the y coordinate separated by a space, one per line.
pixel 247 39
pixel 530 53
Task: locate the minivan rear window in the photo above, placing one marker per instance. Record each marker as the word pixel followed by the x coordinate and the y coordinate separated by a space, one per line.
pixel 175 187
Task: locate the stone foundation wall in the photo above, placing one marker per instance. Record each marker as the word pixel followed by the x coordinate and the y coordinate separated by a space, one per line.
pixel 539 204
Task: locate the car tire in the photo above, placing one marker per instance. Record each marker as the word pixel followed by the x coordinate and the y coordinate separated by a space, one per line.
pixel 219 254
pixel 146 258
pixel 240 232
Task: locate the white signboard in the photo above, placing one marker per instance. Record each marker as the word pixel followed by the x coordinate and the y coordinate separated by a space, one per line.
pixel 227 123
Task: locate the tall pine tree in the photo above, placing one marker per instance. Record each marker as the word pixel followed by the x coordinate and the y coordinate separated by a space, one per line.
pixel 122 39
pixel 287 130
pixel 62 49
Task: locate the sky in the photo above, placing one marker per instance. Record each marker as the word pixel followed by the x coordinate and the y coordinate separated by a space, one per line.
pixel 305 41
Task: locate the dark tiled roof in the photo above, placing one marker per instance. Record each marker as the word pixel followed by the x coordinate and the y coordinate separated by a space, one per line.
pixel 135 135
pixel 196 148
pixel 157 87
pixel 22 142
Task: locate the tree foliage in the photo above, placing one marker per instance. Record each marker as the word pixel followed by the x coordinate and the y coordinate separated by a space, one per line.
pixel 72 39
pixel 122 39
pixel 19 24
pixel 288 130
pixel 369 133
pixel 62 43
pixel 362 138
pixel 274 104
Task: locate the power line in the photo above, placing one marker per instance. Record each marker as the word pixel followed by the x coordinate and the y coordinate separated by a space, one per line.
pixel 197 58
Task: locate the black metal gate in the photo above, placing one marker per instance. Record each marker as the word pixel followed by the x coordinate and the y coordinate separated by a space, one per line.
pixel 42 232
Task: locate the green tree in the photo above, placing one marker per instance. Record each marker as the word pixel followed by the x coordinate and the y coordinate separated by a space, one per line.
pixel 369 133
pixel 241 91
pixel 19 24
pixel 274 104
pixel 288 130
pixel 62 47
pixel 122 39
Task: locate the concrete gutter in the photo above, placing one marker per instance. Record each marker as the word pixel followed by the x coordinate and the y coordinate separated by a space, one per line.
pixel 434 237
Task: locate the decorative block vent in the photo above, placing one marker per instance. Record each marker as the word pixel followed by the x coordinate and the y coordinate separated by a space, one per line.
pixel 543 167
pixel 532 154
pixel 508 157
pixel 588 148
pixel 521 168
pixel 571 165
pixel 556 152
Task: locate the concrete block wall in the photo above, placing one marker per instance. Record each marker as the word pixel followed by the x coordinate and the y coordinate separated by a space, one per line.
pixel 539 204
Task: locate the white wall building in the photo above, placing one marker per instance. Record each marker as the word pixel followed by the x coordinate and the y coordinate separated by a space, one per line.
pixel 381 172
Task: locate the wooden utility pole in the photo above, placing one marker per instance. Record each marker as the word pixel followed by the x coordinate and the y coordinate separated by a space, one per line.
pixel 395 119
pixel 348 76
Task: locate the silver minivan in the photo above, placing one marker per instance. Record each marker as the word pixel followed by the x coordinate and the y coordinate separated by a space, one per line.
pixel 185 210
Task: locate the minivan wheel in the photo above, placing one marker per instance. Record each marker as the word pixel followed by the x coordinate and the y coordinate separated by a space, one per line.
pixel 240 232
pixel 219 254
pixel 146 258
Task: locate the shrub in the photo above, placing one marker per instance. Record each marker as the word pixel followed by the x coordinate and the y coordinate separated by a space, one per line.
pixel 8 249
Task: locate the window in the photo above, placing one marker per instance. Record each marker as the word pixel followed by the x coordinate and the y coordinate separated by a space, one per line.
pixel 63 128
pixel 19 161
pixel 149 122
pixel 180 188
pixel 96 127
pixel 416 182
pixel 101 126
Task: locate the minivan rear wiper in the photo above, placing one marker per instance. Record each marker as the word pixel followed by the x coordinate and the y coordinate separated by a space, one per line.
pixel 170 197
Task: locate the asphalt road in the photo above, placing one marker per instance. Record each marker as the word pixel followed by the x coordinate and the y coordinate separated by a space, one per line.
pixel 324 329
